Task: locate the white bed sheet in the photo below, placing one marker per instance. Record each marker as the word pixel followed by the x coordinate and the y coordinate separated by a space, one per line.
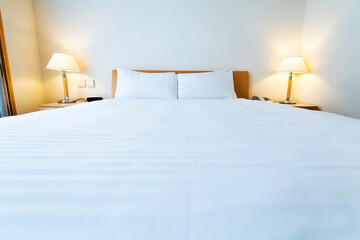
pixel 179 170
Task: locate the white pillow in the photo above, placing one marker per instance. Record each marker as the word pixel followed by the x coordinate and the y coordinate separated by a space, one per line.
pixel 211 85
pixel 131 84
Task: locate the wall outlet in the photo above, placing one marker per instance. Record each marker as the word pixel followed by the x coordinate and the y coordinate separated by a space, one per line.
pixel 81 83
pixel 90 83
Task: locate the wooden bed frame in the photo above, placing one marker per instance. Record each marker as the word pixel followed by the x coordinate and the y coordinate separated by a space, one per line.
pixel 241 80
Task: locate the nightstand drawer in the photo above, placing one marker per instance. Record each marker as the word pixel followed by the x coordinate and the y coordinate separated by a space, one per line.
pixel 302 105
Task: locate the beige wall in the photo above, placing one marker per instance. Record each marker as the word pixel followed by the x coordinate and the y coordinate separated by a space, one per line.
pixel 21 38
pixel 331 44
pixel 251 35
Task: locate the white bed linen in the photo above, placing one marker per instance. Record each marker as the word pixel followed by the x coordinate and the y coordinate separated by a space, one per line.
pixel 179 170
pixel 131 84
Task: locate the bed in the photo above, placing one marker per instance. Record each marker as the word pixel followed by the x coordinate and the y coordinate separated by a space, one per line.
pixel 141 169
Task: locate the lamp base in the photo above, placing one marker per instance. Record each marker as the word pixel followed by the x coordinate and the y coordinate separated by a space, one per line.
pixel 66 101
pixel 288 102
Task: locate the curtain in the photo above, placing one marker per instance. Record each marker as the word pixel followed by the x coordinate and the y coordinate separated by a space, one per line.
pixel 7 103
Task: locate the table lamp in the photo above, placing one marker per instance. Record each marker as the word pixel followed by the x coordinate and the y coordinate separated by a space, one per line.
pixel 292 65
pixel 65 63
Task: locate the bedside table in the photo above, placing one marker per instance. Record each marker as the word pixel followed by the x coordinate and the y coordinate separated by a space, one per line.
pixel 56 105
pixel 302 105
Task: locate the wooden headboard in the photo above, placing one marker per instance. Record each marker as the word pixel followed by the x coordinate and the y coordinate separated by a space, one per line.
pixel 241 81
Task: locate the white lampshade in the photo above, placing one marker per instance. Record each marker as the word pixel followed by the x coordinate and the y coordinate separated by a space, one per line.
pixel 293 64
pixel 63 62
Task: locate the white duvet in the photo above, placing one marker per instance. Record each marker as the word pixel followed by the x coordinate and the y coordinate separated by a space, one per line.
pixel 179 170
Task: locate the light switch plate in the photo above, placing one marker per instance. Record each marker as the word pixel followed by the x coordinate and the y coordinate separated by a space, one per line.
pixel 81 83
pixel 90 83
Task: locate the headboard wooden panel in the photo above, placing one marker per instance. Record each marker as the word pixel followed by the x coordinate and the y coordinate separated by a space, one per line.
pixel 241 81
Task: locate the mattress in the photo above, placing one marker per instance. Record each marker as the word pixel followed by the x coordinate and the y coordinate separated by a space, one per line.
pixel 179 170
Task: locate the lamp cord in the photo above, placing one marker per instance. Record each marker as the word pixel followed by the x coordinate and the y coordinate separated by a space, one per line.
pixel 79 99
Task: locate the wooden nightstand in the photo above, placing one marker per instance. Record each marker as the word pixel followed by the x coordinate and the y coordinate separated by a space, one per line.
pixel 302 105
pixel 56 105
